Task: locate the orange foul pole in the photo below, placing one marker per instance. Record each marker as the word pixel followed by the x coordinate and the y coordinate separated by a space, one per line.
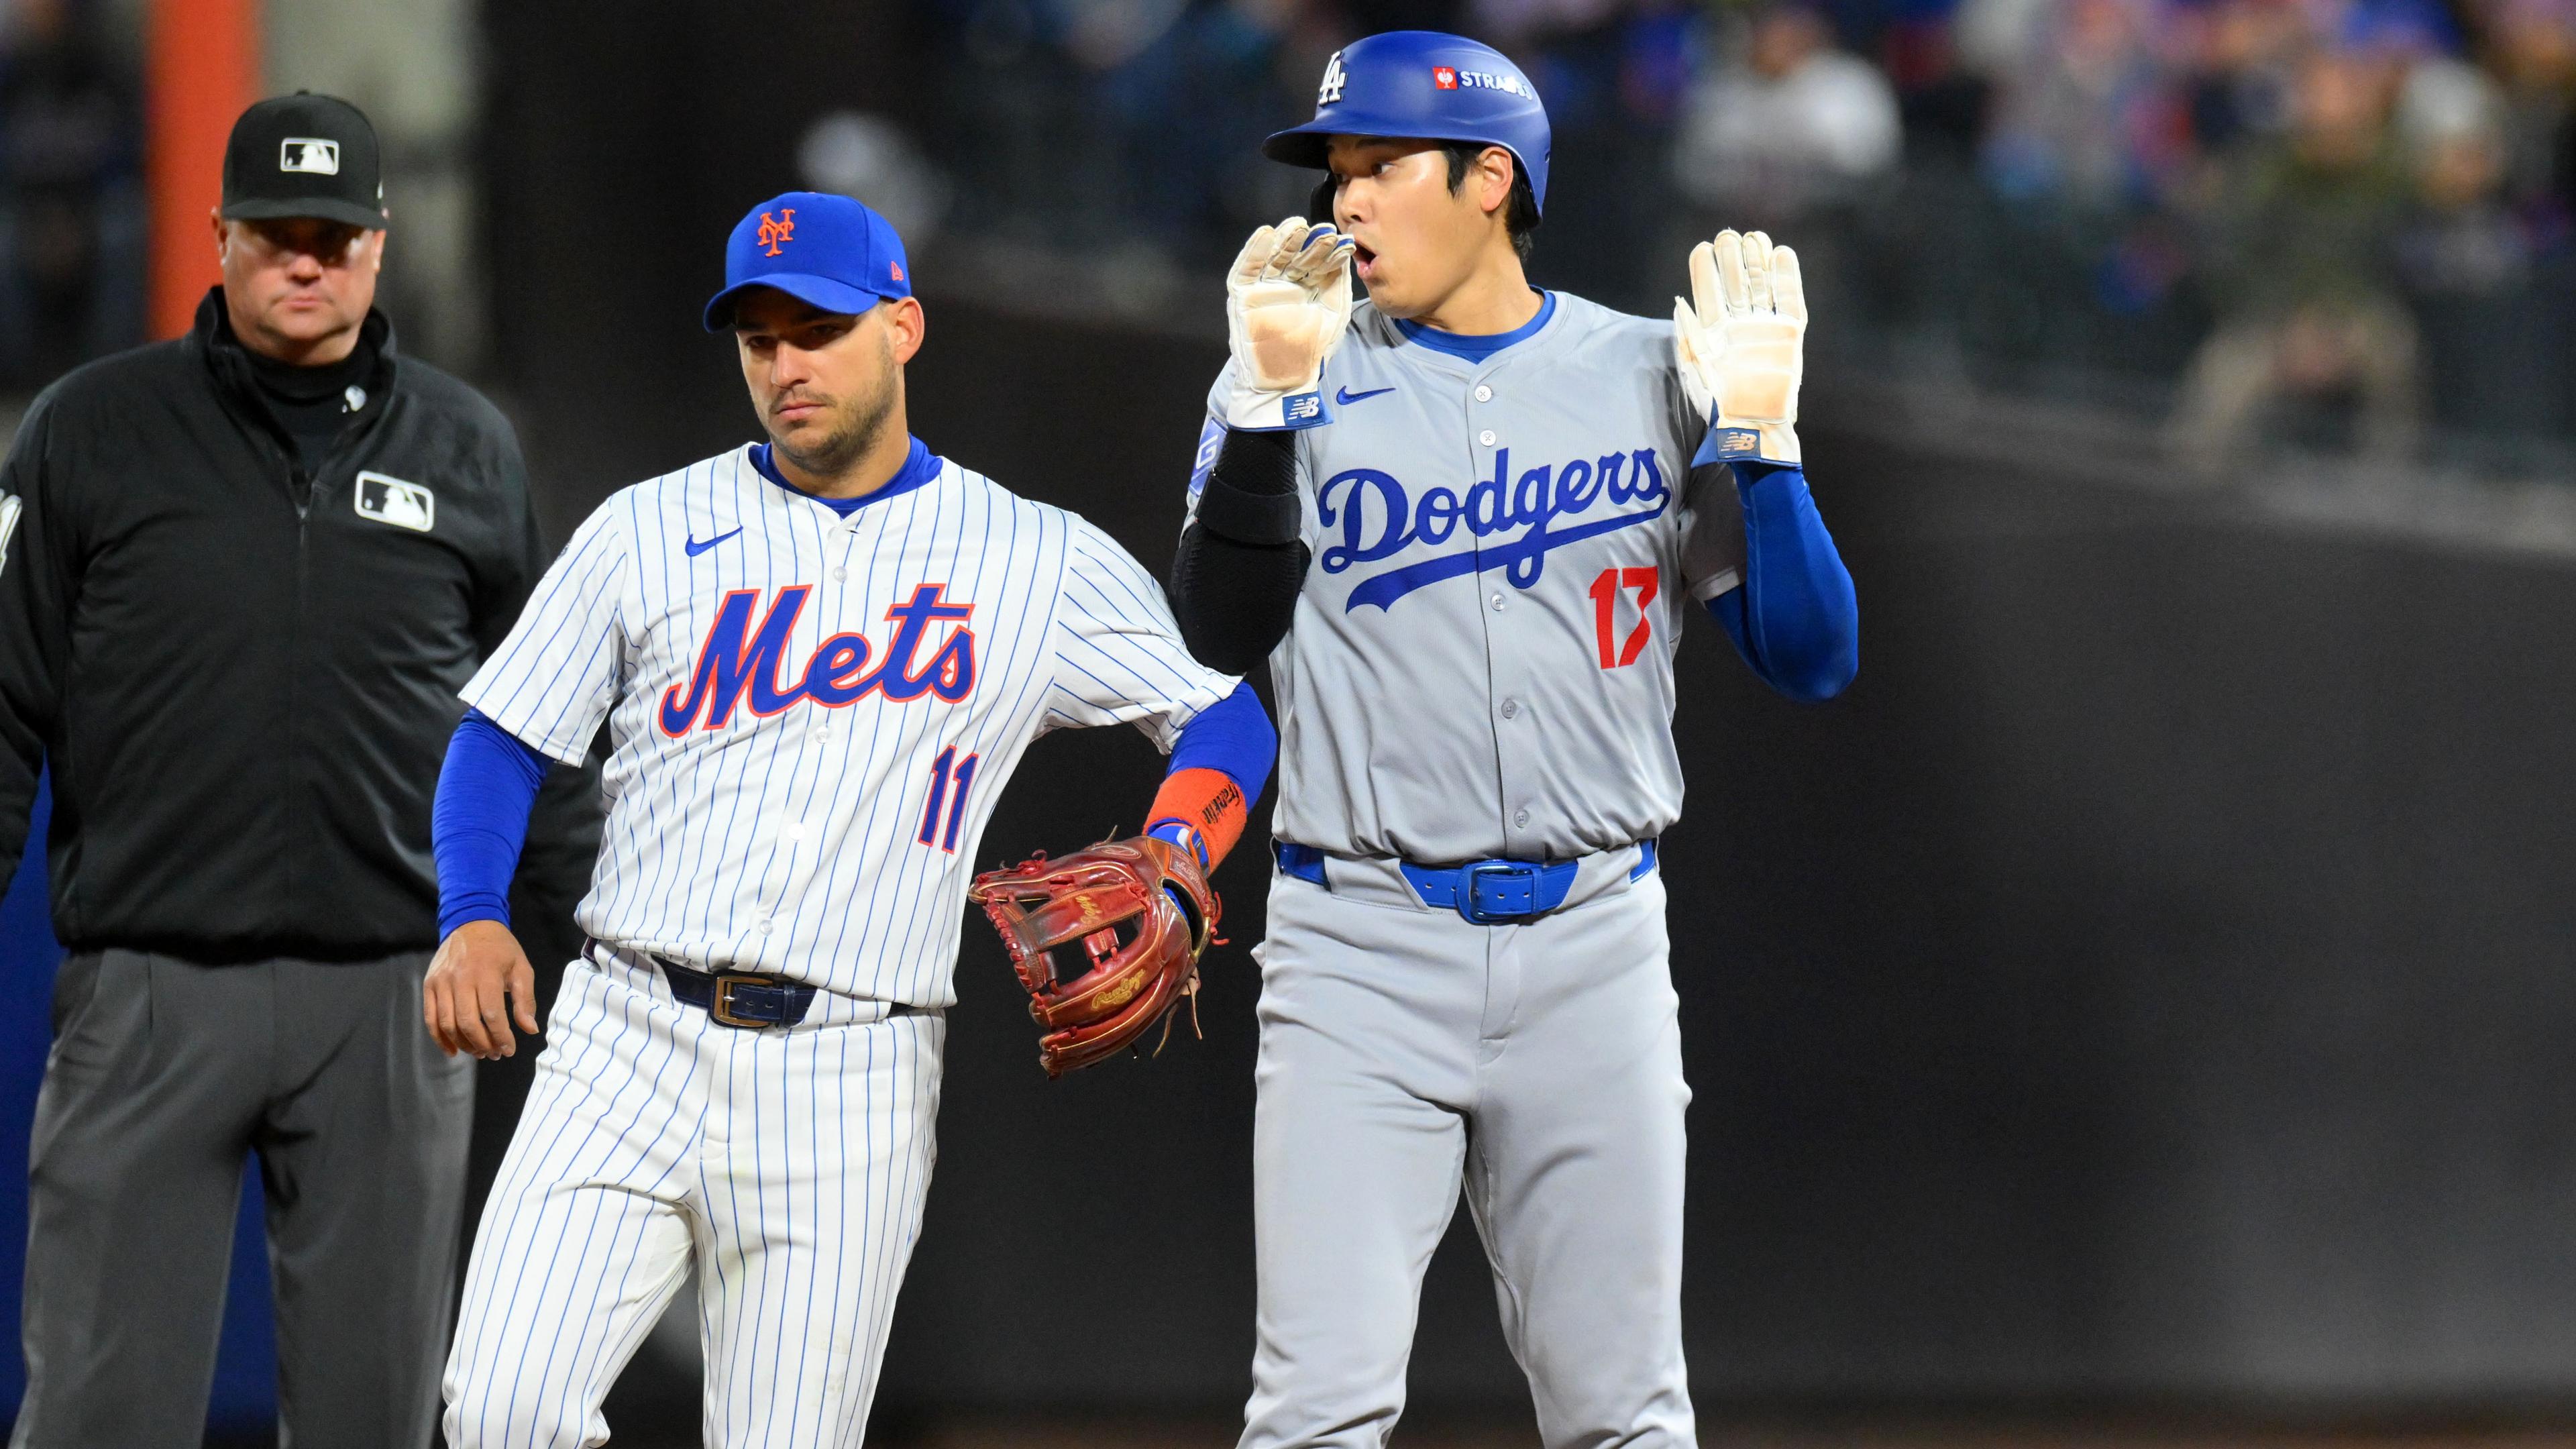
pixel 201 69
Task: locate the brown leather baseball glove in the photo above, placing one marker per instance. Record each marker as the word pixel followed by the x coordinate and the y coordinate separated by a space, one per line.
pixel 1100 942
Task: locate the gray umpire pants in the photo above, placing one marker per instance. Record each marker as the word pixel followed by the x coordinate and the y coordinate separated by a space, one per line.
pixel 163 1073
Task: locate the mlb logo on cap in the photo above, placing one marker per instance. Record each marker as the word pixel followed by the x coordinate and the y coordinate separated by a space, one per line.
pixel 304 156
pixel 309 153
pixel 824 250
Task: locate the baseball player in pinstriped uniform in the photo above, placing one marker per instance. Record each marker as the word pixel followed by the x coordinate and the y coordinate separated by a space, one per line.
pixel 819 659
pixel 1464 522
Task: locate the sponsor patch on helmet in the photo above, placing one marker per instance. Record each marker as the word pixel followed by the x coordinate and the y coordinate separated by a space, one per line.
pixel 1478 80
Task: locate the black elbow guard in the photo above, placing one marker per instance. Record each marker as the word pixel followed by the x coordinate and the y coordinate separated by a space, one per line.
pixel 1251 492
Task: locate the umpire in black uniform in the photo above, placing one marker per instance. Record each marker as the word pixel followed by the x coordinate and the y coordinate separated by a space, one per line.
pixel 242 576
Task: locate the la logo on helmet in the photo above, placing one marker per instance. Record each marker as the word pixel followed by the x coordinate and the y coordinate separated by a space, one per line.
pixel 1331 90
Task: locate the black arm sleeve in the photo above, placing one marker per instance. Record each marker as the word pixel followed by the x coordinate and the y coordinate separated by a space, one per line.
pixel 1235 583
pixel 1234 600
pixel 39 578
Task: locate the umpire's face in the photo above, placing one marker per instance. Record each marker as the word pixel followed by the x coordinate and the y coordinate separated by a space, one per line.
pixel 298 287
pixel 827 384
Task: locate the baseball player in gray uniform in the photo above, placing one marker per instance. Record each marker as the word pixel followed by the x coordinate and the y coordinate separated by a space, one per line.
pixel 1465 521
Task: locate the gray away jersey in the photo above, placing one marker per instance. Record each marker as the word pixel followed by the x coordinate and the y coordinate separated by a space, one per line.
pixel 1481 661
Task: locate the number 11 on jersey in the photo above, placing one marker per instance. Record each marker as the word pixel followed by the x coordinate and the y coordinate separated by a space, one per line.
pixel 950 779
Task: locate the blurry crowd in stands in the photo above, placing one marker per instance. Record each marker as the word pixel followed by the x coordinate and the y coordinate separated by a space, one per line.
pixel 72 237
pixel 2349 223
pixel 2345 222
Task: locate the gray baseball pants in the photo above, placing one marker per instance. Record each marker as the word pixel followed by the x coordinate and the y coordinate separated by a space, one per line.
pixel 163 1074
pixel 1405 1053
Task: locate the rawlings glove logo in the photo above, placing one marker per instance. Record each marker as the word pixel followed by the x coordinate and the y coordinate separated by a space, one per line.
pixel 1378 519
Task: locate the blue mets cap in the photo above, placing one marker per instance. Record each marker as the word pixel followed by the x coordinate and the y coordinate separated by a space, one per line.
pixel 816 247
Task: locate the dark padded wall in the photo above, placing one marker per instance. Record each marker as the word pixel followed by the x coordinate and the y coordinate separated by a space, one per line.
pixel 2151 980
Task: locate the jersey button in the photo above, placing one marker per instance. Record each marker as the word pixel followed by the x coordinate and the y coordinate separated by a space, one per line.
pixel 1511 707
pixel 796 831
pixel 1521 819
pixel 1486 437
pixel 1498 603
pixel 838 574
pixel 1484 394
pixel 765 925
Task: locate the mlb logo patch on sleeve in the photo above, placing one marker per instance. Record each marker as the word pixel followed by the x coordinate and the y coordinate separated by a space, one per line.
pixel 391 500
pixel 309 153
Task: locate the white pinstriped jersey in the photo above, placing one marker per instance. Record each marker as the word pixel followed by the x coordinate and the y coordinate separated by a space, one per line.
pixel 810 716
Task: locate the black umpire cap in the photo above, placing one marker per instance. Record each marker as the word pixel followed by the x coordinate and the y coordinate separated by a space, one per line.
pixel 304 155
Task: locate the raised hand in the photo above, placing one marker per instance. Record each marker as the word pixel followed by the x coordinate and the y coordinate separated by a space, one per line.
pixel 1287 304
pixel 1740 343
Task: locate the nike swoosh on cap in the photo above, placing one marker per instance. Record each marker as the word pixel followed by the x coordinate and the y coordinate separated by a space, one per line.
pixel 694 548
pixel 1346 397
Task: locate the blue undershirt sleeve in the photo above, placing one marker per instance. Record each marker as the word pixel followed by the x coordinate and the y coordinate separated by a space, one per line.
pixel 479 820
pixel 1794 619
pixel 1233 735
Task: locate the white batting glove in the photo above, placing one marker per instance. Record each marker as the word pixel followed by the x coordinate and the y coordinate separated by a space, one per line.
pixel 1287 304
pixel 1741 345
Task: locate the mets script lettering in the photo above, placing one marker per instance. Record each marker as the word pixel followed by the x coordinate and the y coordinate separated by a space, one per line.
pixel 739 661
pixel 1378 519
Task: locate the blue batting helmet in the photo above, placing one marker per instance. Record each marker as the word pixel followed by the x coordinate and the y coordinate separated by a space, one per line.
pixel 1426 84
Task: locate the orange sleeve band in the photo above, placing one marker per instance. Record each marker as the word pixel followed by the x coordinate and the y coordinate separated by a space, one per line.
pixel 1209 803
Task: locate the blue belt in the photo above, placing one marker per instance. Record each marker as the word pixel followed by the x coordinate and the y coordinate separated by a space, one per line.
pixel 1482 892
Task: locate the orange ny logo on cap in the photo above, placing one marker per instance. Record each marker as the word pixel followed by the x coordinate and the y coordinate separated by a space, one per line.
pixel 777 230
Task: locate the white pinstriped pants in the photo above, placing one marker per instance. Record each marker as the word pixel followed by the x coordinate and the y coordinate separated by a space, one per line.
pixel 789 1164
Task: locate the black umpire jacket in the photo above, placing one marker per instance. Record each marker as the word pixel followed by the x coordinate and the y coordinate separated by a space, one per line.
pixel 244 677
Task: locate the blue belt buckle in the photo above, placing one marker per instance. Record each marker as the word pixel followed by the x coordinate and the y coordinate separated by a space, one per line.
pixel 1514 893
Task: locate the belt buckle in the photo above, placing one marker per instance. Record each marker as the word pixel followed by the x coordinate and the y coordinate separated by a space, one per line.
pixel 720 1005
pixel 1489 869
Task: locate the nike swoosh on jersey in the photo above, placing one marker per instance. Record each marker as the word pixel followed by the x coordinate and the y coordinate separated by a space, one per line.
pixel 693 548
pixel 1346 397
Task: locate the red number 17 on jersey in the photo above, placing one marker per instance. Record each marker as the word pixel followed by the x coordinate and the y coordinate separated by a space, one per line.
pixel 1605 598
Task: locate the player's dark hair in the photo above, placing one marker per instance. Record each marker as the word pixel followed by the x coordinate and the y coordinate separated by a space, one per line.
pixel 1520 210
